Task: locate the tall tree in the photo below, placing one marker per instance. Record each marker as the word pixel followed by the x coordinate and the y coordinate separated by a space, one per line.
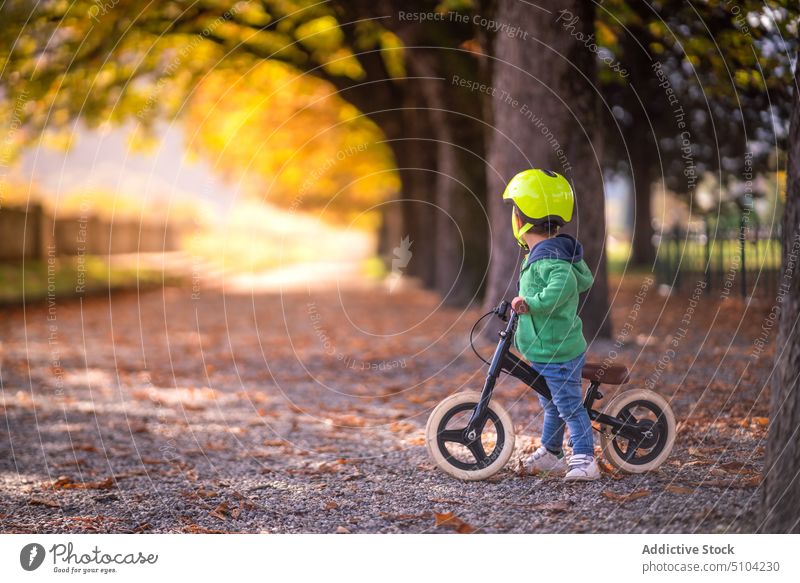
pixel 782 468
pixel 545 116
pixel 695 87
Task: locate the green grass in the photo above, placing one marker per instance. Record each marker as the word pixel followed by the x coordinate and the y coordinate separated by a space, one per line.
pixel 69 277
pixel 765 255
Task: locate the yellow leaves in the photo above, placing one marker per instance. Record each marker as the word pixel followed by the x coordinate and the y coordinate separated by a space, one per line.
pixel 252 13
pixel 300 144
pixel 745 79
pixel 61 140
pixel 393 54
pixel 605 35
pixel 320 33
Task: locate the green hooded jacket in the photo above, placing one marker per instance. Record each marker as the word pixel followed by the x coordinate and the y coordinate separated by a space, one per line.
pixel 552 276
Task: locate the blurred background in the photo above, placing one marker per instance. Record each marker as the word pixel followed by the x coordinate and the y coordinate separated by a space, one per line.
pixel 142 144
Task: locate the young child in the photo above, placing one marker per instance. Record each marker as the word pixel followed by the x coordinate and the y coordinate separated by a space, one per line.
pixel 549 332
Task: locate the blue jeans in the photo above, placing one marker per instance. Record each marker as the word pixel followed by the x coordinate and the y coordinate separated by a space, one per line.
pixel 566 407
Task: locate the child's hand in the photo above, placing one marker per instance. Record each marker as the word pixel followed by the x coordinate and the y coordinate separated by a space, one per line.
pixel 519 306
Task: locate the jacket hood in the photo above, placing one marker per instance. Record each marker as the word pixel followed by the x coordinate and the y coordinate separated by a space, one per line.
pixel 564 247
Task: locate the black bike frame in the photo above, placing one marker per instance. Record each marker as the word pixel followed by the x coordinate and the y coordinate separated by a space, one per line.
pixel 507 362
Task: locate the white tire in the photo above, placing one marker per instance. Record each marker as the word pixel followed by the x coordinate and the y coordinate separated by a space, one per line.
pixel 468 467
pixel 660 414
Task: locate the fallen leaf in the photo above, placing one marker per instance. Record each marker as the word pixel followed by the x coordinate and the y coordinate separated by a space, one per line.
pixel 450 520
pixel 609 470
pixel 342 530
pixel 331 505
pixel 402 427
pixel 221 511
pixel 68 483
pixel 84 447
pixel 623 498
pixel 699 463
pixel 735 466
pixel 679 490
pixel 275 442
pixel 41 501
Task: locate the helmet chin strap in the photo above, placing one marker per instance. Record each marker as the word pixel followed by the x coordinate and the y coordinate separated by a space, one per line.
pixel 519 227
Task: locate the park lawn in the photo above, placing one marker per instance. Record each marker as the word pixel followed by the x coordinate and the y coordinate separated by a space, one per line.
pixel 70 277
pixel 722 255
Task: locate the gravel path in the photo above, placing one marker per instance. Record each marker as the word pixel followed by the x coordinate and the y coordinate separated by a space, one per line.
pixel 301 412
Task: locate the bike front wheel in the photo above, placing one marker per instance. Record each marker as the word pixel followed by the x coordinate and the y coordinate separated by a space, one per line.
pixel 463 458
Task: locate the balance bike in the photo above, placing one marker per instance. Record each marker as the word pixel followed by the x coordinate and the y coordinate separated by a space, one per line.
pixel 471 438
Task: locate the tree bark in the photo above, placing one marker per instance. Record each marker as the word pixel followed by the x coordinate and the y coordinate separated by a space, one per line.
pixel 417 163
pixel 460 181
pixel 439 152
pixel 641 164
pixel 545 113
pixel 781 512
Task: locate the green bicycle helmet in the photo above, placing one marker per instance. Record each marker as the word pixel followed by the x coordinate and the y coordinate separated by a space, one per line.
pixel 539 197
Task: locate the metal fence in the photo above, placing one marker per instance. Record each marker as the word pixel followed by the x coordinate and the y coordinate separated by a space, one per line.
pixel 731 259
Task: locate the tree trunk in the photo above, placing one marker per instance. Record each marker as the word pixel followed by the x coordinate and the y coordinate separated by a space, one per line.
pixel 642 252
pixel 439 151
pixel 460 180
pixel 782 469
pixel 462 227
pixel 545 113
pixel 407 130
pixel 416 163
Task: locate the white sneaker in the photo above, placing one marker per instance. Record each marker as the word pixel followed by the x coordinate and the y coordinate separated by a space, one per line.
pixel 582 468
pixel 543 461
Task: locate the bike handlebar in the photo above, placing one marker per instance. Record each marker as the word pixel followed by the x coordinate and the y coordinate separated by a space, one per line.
pixel 501 310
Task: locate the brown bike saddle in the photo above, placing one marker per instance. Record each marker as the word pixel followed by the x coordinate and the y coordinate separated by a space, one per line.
pixel 610 374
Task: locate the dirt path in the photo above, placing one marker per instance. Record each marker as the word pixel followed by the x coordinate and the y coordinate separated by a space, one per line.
pixel 302 412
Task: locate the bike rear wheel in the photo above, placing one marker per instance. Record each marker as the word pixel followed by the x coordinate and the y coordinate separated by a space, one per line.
pixel 650 412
